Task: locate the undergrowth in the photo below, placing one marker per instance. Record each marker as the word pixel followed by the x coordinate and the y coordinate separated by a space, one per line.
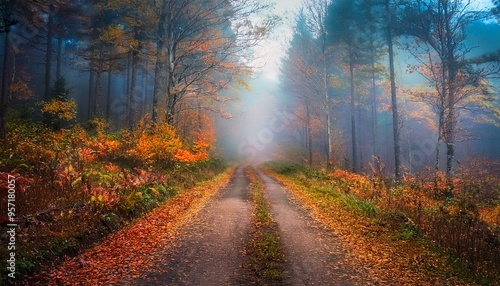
pixel 46 238
pixel 457 244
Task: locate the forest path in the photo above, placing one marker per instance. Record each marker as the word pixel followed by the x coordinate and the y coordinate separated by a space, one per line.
pixel 210 251
pixel 203 237
pixel 313 255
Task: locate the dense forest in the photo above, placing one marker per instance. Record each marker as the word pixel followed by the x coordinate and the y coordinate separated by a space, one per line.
pixel 100 98
pixel 90 87
pixel 355 67
pixel 110 108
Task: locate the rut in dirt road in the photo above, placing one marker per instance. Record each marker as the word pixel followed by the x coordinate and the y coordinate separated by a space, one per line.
pixel 209 251
pixel 313 255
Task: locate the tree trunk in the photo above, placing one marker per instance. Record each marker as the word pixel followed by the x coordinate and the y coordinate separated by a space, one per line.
pixel 98 87
pixel 133 89
pixel 449 135
pixel 309 135
pixel 394 102
pixel 144 100
pixel 159 62
pixel 374 111
pixel 438 145
pixel 450 124
pixel 59 57
pixel 48 57
pixel 110 77
pixel 172 95
pixel 5 89
pixel 91 92
pixel 48 67
pixel 353 116
pixel 328 115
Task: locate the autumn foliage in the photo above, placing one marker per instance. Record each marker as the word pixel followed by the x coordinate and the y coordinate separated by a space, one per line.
pixel 464 224
pixel 78 183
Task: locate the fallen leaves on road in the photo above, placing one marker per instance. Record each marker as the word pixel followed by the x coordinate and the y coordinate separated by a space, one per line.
pixel 127 253
pixel 387 260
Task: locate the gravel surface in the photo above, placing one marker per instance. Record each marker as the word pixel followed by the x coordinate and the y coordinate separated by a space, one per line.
pixel 209 251
pixel 313 255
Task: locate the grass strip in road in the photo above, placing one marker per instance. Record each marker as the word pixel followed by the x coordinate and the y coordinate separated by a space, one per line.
pixel 265 256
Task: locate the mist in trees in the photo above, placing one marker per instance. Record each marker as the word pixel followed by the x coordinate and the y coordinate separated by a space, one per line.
pixel 126 61
pixel 410 85
pixel 369 85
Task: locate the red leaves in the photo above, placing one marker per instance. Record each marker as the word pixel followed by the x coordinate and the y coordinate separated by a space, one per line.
pixel 128 253
pixel 20 185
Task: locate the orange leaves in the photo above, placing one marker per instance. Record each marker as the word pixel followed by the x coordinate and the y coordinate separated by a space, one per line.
pixel 126 254
pixel 200 150
pixel 108 146
pixel 111 168
pixel 86 154
pixel 371 245
pixel 21 90
pixel 185 156
pixel 157 145
pixel 162 145
pixel 63 109
pixel 360 185
pixel 205 47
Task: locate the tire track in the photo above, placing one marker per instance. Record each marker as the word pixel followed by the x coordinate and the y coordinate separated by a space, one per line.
pixel 209 251
pixel 313 255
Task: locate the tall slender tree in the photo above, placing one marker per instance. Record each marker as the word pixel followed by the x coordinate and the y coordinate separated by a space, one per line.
pixel 344 27
pixel 389 11
pixel 317 11
pixel 301 78
pixel 442 48
pixel 5 27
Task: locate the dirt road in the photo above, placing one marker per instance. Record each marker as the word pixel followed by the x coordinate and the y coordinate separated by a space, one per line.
pixel 210 250
pixel 314 256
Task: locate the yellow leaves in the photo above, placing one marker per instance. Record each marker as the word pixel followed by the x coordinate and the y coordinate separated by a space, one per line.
pixel 63 109
pixel 112 34
pixel 243 84
pixel 491 215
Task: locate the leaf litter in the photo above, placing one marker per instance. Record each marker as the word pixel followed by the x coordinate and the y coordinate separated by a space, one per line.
pixel 127 253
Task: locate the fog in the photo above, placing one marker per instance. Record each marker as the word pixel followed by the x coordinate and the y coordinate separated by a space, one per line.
pixel 319 89
pixel 250 134
pixel 259 120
